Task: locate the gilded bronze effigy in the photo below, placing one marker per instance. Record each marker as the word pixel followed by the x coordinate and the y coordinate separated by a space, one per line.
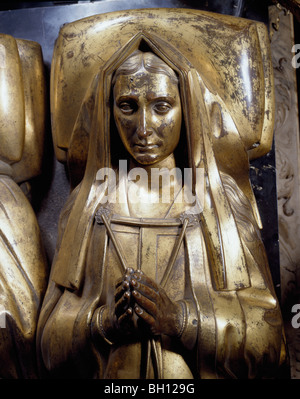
pixel 160 271
pixel 23 266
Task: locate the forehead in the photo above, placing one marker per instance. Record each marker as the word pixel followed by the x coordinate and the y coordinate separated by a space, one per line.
pixel 143 82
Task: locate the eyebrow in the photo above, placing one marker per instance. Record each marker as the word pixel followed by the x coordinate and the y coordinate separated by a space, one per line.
pixel 150 97
pixel 166 98
pixel 126 97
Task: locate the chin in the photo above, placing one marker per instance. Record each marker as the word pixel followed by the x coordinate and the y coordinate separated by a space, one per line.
pixel 146 160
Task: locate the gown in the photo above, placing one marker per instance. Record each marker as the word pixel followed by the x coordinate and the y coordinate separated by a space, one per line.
pixel 23 280
pixel 228 333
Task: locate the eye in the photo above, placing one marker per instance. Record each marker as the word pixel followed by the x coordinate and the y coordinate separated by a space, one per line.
pixel 127 107
pixel 162 107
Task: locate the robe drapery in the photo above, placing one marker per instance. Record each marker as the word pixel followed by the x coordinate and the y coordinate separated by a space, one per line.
pixel 234 325
pixel 228 334
pixel 23 268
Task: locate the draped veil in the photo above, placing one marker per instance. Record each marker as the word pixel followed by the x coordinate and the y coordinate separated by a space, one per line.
pixel 230 218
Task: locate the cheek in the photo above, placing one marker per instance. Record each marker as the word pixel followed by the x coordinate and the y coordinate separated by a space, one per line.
pixel 124 126
pixel 170 129
pixel 121 121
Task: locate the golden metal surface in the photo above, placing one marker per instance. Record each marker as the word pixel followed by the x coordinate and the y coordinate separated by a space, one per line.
pixel 142 287
pixel 24 273
pixel 34 85
pixel 12 114
pixel 23 106
pixel 206 41
pixel 23 266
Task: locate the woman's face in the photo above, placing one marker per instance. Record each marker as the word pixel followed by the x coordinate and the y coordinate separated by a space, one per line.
pixel 147 112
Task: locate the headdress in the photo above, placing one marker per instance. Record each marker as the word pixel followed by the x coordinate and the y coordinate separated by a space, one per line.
pixel 226 88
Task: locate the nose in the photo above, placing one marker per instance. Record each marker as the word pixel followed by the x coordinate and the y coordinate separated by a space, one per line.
pixel 144 128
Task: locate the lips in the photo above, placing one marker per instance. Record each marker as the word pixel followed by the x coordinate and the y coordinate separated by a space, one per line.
pixel 145 147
